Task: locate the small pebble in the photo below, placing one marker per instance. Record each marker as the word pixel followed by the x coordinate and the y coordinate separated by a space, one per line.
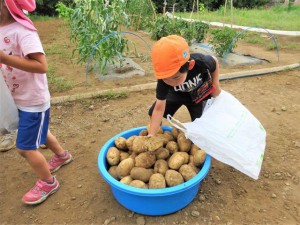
pixel 202 198
pixel 195 213
pixel 140 220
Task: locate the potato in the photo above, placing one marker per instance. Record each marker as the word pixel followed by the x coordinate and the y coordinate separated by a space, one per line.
pixel 191 159
pixel 129 142
pixel 195 168
pixel 199 157
pixel 184 144
pixel 180 135
pixel 133 155
pixel 120 143
pixel 161 166
pixel 187 172
pixel 194 148
pixel 143 133
pixel 153 143
pixel 140 173
pixel 163 138
pixel 162 153
pixel 124 168
pixel 173 178
pixel 145 160
pixel 186 157
pixel 126 180
pixel 123 155
pixel 175 132
pixel 138 184
pixel 176 161
pixel 169 135
pixel 113 156
pixel 138 144
pixel 172 146
pixel 157 180
pixel 113 172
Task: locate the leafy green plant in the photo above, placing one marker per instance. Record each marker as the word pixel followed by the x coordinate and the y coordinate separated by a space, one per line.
pixel 222 39
pixel 94 21
pixel 161 27
pixel 201 30
pixel 191 31
pixel 140 13
pixel 64 11
pixel 201 8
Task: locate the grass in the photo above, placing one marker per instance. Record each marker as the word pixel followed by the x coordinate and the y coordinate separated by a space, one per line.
pixel 57 84
pixel 111 95
pixel 35 17
pixel 265 41
pixel 278 17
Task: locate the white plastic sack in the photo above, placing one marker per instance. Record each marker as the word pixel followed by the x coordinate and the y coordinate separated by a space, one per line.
pixel 9 117
pixel 228 132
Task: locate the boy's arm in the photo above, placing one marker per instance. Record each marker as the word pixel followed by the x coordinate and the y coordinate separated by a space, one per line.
pixel 34 63
pixel 215 79
pixel 157 116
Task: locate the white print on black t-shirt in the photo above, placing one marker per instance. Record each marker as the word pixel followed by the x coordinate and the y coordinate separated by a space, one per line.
pixel 190 85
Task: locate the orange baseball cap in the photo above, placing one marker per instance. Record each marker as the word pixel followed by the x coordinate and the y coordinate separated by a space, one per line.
pixel 168 55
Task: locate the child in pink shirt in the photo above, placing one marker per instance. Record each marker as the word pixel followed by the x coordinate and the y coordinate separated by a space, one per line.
pixel 23 65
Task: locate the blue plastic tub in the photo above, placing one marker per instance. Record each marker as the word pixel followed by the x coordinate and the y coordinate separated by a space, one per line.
pixel 152 202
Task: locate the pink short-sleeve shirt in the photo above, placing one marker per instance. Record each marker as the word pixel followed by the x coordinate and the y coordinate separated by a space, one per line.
pixel 28 89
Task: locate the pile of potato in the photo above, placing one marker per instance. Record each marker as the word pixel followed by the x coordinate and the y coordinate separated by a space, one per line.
pixel 165 160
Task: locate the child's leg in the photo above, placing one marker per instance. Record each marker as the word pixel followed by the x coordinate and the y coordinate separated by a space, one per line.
pixel 61 157
pixel 46 185
pixel 54 145
pixel 32 131
pixel 195 110
pixel 38 163
pixel 171 108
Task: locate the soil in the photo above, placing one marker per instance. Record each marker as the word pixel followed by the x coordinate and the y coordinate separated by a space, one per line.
pixel 226 196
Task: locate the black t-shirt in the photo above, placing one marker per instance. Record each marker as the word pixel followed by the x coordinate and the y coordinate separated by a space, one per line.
pixel 197 85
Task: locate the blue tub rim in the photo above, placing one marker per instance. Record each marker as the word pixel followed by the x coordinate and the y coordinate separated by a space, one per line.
pixel 147 192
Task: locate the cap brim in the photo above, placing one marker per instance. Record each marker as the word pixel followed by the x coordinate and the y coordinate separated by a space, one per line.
pixel 166 74
pixel 19 16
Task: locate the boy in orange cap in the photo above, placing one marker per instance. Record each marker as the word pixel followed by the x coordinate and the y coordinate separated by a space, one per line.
pixel 182 79
pixel 23 65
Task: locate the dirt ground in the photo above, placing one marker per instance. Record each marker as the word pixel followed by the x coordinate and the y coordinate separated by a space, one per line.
pixel 226 196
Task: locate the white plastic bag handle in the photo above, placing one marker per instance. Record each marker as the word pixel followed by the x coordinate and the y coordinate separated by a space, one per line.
pixel 176 123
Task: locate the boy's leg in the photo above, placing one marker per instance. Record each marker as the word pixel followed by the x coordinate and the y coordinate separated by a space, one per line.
pixel 171 108
pixel 195 110
pixel 61 157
